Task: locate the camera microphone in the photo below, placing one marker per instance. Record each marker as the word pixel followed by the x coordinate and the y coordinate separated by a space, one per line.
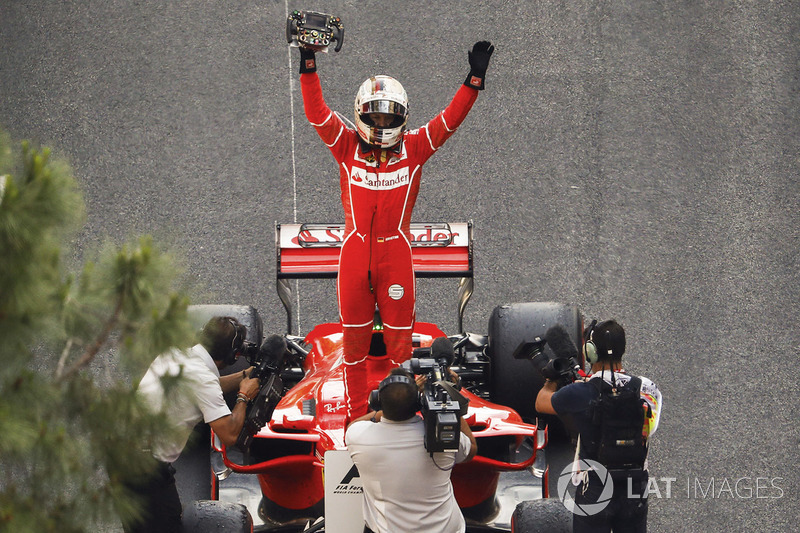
pixel 560 343
pixel 442 351
pixel 559 362
pixel 272 352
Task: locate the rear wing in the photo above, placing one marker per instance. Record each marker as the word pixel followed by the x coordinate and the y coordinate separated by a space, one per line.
pixel 311 251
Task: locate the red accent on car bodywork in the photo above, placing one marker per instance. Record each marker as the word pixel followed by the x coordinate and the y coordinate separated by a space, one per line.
pixel 326 260
pixel 295 481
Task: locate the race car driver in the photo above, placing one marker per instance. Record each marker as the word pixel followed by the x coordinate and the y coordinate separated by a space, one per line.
pixel 380 170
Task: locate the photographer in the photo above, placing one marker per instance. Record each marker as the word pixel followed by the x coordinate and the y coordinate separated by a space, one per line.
pixel 405 487
pixel 380 172
pixel 609 401
pixel 198 395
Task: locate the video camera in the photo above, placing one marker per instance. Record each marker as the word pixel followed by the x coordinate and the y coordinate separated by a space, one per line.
pixel 268 364
pixel 249 350
pixel 315 31
pixel 560 363
pixel 442 406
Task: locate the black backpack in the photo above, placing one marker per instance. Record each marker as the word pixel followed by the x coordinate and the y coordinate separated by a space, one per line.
pixel 618 417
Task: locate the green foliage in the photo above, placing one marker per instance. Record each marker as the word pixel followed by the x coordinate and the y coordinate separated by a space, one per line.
pixel 37 210
pixel 72 347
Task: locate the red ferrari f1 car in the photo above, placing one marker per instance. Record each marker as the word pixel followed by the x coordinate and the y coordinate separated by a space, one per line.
pixel 294 473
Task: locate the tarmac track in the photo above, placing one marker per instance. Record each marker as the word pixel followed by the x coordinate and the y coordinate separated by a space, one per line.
pixel 636 158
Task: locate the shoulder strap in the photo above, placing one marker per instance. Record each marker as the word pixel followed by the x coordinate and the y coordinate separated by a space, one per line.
pixel 600 383
pixel 635 383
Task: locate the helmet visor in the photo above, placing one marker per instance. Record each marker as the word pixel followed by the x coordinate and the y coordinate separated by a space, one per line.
pixel 382 121
pixel 384 107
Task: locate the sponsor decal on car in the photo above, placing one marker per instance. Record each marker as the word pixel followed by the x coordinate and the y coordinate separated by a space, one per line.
pixel 346 485
pixel 296 236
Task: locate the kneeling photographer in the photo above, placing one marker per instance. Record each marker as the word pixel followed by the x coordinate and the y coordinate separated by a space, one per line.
pixel 406 486
pixel 615 414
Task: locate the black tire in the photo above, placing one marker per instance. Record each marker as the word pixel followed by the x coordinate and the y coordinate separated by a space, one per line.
pixel 209 516
pixel 541 516
pixel 247 315
pixel 515 382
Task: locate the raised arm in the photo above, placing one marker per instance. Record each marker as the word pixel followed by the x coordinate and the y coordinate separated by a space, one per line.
pixel 328 125
pixel 438 130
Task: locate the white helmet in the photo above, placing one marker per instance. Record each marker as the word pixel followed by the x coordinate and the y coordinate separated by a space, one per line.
pixel 381 94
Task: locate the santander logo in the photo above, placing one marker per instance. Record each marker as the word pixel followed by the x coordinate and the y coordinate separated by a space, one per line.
pixel 382 181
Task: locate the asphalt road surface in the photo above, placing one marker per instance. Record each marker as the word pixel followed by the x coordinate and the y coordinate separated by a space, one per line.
pixel 636 158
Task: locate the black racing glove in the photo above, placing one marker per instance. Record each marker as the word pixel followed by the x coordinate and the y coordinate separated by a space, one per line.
pixel 478 63
pixel 308 60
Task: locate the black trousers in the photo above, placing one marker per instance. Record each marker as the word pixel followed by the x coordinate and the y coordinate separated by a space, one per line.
pixel 626 511
pixel 161 505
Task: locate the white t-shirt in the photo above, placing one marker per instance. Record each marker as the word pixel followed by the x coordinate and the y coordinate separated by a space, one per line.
pixel 404 491
pixel 197 397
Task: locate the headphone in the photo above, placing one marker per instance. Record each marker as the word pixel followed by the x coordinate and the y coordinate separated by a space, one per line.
pixel 237 343
pixel 214 339
pixel 375 395
pixel 590 352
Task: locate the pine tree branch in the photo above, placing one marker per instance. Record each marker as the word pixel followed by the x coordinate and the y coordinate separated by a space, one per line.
pixel 94 348
pixel 63 359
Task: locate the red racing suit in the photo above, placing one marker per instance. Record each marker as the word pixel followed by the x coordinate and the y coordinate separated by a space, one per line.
pixel 379 189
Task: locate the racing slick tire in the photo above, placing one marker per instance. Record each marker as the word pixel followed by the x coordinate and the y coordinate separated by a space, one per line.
pixel 539 516
pixel 515 382
pixel 209 516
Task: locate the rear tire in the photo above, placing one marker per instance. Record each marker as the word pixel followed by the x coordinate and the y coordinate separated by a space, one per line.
pixel 515 382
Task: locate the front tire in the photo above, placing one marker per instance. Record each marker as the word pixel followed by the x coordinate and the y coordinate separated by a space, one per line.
pixel 541 516
pixel 209 516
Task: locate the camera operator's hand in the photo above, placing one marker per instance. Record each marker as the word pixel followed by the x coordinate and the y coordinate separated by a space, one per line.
pixel 455 378
pixel 250 387
pixel 422 379
pixel 230 382
pixel 478 63
pixel 308 60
